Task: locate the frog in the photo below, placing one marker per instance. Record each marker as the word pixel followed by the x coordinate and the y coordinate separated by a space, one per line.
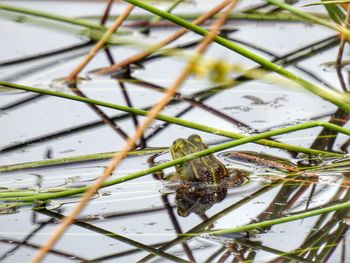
pixel 203 181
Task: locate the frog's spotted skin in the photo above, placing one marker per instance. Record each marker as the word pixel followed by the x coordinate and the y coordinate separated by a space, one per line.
pixel 204 179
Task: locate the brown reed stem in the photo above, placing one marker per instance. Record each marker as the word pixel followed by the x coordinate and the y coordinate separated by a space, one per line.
pixel 106 12
pixel 100 44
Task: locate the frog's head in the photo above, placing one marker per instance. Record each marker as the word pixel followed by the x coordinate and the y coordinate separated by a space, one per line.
pixel 182 147
pixel 179 148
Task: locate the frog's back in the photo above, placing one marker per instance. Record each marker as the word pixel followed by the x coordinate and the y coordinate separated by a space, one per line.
pixel 210 170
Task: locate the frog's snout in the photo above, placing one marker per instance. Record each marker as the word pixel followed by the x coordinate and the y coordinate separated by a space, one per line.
pixel 178 144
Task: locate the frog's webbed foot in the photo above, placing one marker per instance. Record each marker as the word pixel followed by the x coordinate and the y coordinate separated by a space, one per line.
pixel 237 178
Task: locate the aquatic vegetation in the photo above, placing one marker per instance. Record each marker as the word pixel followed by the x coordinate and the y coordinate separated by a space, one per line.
pixel 97 112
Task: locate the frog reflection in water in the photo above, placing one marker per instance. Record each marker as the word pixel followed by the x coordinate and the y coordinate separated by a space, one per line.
pixel 204 180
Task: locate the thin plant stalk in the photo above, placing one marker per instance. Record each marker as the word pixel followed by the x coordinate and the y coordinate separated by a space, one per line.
pixel 169 9
pixel 73 21
pixel 82 21
pixel 244 15
pixel 100 44
pixel 330 2
pixel 75 159
pixel 130 142
pixel 105 15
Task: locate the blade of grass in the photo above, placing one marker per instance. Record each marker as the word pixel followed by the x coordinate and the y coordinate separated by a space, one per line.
pixel 75 159
pixel 335 13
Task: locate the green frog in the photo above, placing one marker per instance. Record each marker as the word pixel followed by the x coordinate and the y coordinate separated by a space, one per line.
pixel 204 180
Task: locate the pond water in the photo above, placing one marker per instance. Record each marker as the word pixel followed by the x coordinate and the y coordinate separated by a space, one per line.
pixel 39 128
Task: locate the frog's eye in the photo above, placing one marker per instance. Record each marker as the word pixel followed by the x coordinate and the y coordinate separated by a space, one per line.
pixel 178 144
pixel 195 138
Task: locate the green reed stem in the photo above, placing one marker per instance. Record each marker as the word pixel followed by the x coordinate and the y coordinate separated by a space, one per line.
pixel 8 208
pixel 46 196
pixel 333 97
pixel 73 21
pixel 272 222
pixel 85 23
pixel 310 17
pixel 331 2
pixel 169 10
pixel 74 159
pixel 168 119
pixel 97 29
pixel 260 16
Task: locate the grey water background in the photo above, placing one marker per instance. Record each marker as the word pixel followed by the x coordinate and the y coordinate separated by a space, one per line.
pixel 281 106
